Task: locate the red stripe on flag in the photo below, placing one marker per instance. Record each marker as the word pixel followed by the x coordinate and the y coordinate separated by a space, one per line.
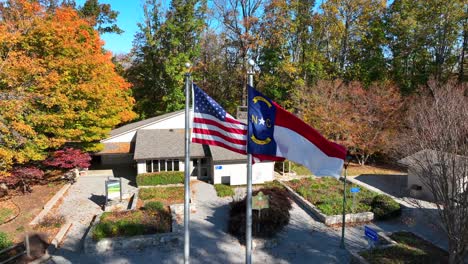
pixel 218 134
pixel 220 125
pixel 285 119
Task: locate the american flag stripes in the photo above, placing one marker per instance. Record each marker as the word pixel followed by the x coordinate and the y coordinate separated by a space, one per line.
pixel 212 125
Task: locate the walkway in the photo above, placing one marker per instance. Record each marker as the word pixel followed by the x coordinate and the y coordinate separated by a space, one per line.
pixel 83 200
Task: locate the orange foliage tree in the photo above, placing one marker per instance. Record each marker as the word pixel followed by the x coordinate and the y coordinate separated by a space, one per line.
pixel 57 84
pixel 365 120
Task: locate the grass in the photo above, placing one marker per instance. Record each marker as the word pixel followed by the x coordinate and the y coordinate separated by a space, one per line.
pixel 133 223
pixel 5 241
pixel 224 190
pixel 160 178
pixel 410 249
pixel 52 221
pixel 165 195
pixel 5 214
pixel 327 195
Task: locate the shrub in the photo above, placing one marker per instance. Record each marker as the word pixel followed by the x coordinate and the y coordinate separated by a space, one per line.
pixel 23 177
pixel 385 207
pixel 272 219
pixel 52 221
pixel 160 178
pixel 223 190
pixel 154 206
pixel 5 241
pixel 68 158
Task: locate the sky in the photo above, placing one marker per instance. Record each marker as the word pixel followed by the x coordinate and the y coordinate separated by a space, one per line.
pixel 130 13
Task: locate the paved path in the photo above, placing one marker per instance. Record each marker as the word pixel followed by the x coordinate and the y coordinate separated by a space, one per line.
pixel 304 240
pixel 83 200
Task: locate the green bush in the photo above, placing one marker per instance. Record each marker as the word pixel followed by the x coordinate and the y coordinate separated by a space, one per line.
pixel 154 206
pixel 385 207
pixel 5 241
pixel 223 190
pixel 272 219
pixel 160 178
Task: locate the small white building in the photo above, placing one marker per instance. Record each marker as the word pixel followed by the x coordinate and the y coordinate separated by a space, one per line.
pixel 158 144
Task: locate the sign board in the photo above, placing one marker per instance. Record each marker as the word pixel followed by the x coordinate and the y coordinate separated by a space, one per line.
pixel 260 201
pixel 371 234
pixel 355 190
pixel 219 167
pixel 113 189
pixel 242 112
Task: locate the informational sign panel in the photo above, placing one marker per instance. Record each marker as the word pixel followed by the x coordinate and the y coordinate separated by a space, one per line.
pixel 113 189
pixel 371 234
pixel 355 190
pixel 260 201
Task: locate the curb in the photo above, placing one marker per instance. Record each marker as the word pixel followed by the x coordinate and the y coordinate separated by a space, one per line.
pixel 50 204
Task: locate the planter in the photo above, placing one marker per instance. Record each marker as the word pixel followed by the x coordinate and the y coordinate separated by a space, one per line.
pixel 329 219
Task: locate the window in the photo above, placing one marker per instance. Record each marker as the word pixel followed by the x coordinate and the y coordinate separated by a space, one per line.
pixel 148 166
pixel 162 165
pixel 155 165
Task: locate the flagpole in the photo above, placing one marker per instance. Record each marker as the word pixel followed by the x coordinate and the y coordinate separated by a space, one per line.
pixel 187 167
pixel 248 225
pixel 342 244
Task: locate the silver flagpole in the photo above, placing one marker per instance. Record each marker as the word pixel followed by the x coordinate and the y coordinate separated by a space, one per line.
pixel 248 226
pixel 187 167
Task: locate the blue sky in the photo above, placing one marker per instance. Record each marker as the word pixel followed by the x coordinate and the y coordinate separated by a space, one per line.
pixel 130 13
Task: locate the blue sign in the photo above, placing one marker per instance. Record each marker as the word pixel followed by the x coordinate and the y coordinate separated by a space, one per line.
pixel 371 233
pixel 355 190
pixel 219 167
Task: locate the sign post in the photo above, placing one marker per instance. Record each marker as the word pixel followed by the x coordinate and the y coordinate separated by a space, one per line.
pixel 113 190
pixel 371 235
pixel 260 202
pixel 354 191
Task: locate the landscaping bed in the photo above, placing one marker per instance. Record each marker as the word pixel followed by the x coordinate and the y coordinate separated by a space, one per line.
pixel 133 223
pixel 324 198
pixel 410 249
pixel 327 195
pixel 165 195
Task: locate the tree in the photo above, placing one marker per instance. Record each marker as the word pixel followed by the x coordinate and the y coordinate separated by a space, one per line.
pixel 161 49
pixel 364 120
pixel 68 158
pixel 438 132
pixel 100 16
pixel 55 83
pixel 23 177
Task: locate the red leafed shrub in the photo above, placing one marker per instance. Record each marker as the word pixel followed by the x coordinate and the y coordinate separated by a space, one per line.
pixel 69 158
pixel 23 177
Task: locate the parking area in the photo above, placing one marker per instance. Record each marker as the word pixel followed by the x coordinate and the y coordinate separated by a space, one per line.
pixel 394 184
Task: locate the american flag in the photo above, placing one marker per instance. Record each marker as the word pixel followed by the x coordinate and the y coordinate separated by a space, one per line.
pixel 212 125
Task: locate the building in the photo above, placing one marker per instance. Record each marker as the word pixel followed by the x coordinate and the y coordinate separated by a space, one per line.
pixel 157 144
pixel 430 163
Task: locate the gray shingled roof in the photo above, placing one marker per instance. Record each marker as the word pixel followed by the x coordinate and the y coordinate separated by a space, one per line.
pixel 165 143
pixel 428 157
pixel 136 125
pixel 222 154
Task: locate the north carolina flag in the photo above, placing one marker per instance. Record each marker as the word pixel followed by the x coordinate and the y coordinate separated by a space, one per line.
pixel 273 131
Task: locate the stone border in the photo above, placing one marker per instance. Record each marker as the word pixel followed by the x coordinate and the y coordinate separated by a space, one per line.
pixel 329 219
pixel 133 206
pixel 59 236
pixel 50 204
pixel 164 240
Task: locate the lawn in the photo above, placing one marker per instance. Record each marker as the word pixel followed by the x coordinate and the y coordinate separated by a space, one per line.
pixel 133 223
pixel 223 190
pixel 410 249
pixel 5 214
pixel 165 195
pixel 327 195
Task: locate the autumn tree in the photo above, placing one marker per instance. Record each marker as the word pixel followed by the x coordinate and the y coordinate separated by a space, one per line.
pixel 365 120
pixel 56 84
pixel 100 16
